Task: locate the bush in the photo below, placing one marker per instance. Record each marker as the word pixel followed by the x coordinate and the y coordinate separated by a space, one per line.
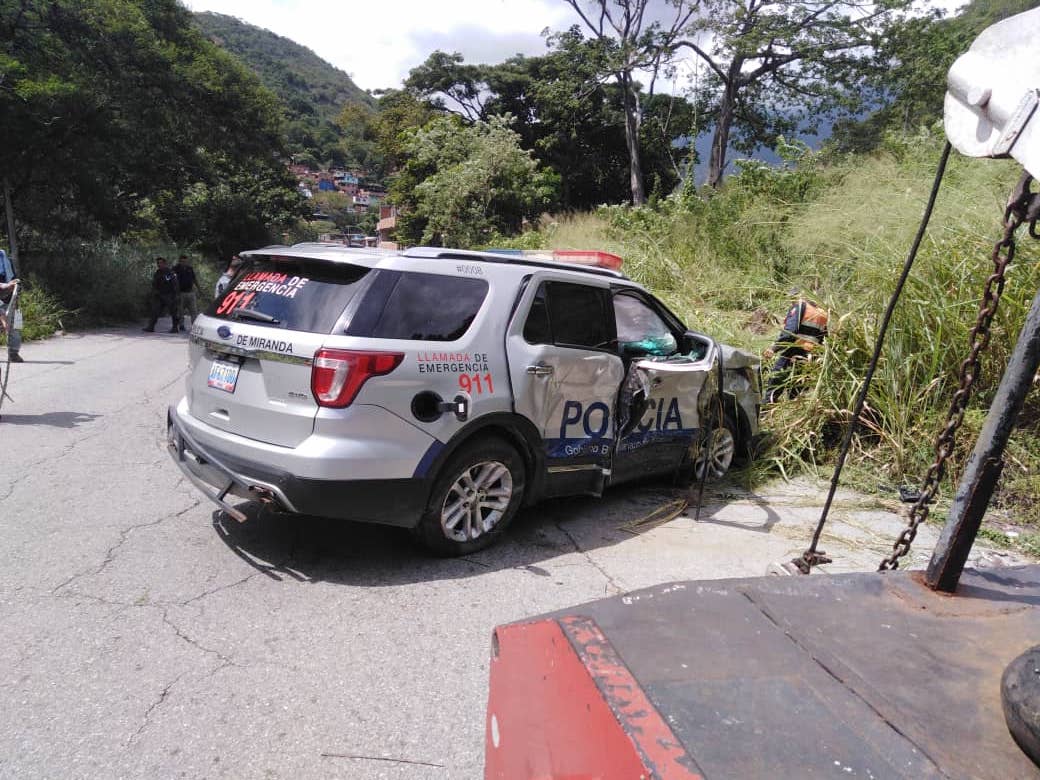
pixel 839 230
pixel 84 285
pixel 42 313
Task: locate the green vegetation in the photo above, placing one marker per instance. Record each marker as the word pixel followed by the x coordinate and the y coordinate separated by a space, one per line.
pixel 569 116
pixel 120 118
pixel 466 182
pixel 129 133
pixel 311 91
pixel 110 282
pixel 838 228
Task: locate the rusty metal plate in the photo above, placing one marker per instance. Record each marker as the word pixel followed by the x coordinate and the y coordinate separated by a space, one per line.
pixel 856 675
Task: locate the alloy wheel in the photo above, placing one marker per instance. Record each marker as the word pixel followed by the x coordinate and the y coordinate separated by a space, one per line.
pixel 476 501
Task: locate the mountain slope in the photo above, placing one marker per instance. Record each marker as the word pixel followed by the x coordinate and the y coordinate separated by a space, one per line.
pixel 312 91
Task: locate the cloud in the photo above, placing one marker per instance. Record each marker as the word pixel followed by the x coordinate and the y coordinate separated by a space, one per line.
pixel 478 45
pixel 378 43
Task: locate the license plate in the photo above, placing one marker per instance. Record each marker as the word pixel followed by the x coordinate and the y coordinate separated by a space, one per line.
pixel 223 376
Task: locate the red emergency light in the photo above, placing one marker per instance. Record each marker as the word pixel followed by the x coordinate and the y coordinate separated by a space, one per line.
pixel 588 257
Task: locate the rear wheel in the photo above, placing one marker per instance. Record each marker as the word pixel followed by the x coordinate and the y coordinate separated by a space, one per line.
pixel 475 497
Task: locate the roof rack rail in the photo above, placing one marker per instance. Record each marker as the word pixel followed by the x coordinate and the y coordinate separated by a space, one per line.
pixel 545 259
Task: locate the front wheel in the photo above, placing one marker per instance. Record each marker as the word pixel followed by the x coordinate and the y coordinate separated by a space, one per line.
pixel 720 452
pixel 475 497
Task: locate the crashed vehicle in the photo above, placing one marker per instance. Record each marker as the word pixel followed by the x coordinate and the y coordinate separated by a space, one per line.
pixel 441 390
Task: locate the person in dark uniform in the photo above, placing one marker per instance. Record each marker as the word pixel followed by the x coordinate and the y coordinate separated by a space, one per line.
pixel 188 284
pixel 165 290
pixel 805 328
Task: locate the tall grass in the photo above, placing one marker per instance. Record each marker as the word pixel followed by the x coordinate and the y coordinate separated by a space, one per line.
pixel 88 284
pixel 839 231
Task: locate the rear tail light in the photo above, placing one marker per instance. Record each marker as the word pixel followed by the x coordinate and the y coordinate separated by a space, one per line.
pixel 338 374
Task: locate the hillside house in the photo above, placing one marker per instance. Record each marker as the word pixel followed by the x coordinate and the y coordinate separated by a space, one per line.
pixel 386 225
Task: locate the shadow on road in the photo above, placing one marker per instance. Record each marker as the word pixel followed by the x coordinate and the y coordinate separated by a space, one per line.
pixel 53 419
pixel 309 549
pixel 772 517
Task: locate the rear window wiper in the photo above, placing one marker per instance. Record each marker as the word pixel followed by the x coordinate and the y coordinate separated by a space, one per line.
pixel 253 314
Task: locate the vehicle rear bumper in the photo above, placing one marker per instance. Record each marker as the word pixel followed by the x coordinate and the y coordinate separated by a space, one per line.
pixel 219 475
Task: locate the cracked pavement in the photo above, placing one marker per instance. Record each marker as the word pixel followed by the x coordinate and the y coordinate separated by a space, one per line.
pixel 144 635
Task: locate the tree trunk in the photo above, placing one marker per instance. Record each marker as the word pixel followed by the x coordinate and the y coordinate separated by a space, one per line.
pixel 632 140
pixel 720 141
pixel 9 210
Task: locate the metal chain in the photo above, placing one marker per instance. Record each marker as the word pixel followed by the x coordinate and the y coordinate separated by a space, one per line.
pixel 1021 208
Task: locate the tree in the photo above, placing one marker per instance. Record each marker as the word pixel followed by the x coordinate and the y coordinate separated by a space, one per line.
pixel 773 63
pixel 908 83
pixel 450 85
pixel 400 115
pixel 566 113
pixel 633 42
pixel 476 181
pixel 116 107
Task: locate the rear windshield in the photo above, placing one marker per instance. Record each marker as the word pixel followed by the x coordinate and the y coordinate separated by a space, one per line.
pixel 290 293
pixel 417 306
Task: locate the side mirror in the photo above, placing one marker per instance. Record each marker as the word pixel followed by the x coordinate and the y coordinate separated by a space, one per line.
pixel 695 344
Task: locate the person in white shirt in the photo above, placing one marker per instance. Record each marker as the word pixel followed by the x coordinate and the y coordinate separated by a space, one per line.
pixel 227 276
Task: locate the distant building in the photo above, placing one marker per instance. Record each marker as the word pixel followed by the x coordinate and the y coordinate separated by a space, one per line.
pixel 386 225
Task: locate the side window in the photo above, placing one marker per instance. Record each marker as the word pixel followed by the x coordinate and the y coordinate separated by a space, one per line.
pixel 641 330
pixel 536 329
pixel 422 307
pixel 570 315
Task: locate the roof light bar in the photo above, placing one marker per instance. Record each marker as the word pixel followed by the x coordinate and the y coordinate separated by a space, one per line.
pixel 587 257
pixel 583 257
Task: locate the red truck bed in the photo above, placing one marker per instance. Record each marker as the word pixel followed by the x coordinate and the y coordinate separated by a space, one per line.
pixel 851 676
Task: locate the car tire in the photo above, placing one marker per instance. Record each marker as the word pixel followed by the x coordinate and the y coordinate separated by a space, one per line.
pixel 474 498
pixel 723 451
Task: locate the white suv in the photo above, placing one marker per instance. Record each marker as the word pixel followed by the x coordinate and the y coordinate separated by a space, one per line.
pixel 440 390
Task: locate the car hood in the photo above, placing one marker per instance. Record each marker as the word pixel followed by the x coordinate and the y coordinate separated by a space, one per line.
pixel 732 357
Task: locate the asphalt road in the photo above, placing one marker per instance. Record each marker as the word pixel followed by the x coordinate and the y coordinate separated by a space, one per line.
pixel 144 635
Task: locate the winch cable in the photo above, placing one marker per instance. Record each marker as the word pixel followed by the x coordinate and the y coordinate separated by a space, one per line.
pixel 811 557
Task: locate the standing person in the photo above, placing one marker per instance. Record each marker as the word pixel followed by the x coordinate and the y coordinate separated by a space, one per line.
pixel 805 328
pixel 227 276
pixel 14 332
pixel 188 283
pixel 165 291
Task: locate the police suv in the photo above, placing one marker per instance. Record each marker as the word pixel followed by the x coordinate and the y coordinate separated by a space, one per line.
pixel 440 389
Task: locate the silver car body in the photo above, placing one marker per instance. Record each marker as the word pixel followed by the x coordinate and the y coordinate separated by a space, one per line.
pixel 249 424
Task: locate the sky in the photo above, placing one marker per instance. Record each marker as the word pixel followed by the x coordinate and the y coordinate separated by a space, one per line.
pixel 377 43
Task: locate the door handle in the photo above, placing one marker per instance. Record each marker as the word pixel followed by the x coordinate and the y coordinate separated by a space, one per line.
pixel 540 369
